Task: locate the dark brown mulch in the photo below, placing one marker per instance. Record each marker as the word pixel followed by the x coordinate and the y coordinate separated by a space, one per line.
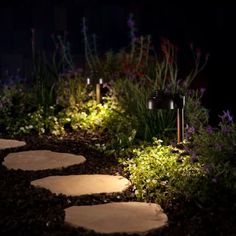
pixel 25 210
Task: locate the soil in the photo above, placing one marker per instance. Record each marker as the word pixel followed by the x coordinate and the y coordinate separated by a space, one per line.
pixel 26 210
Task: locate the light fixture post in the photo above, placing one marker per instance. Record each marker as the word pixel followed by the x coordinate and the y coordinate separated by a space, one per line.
pixel 169 101
pixel 180 125
pixel 98 90
pixel 98 93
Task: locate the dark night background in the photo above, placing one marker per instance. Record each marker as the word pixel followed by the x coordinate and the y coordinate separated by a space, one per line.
pixel 210 27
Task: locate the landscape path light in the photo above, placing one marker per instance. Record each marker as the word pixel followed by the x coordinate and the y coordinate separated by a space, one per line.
pixel 88 81
pixel 163 100
pixel 98 90
pixel 101 91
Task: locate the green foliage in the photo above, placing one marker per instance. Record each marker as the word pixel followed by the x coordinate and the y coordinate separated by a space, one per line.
pixel 15 101
pixel 72 90
pixel 40 123
pixel 46 68
pixel 133 96
pixel 31 107
pixel 196 115
pixel 137 71
pixel 162 173
pixel 114 129
pixel 43 81
pixel 215 148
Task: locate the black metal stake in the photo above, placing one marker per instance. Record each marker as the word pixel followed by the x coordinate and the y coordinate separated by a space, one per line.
pixel 180 125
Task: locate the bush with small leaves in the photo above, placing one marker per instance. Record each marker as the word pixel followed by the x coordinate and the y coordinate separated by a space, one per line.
pixel 163 173
pixel 215 148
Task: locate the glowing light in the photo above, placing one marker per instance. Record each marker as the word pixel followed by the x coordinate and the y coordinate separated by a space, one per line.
pixel 88 81
pixel 150 105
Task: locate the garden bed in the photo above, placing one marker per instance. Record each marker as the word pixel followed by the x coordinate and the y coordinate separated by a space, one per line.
pixel 25 210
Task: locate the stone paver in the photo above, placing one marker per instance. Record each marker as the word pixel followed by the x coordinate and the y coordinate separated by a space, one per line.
pixel 10 143
pixel 41 160
pixel 121 217
pixel 76 185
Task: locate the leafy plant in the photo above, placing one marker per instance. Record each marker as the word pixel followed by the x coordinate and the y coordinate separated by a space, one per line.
pixel 135 72
pixel 46 68
pixel 196 115
pixel 162 173
pixel 72 90
pixel 15 101
pixel 133 96
pixel 113 128
pixel 40 123
pixel 215 148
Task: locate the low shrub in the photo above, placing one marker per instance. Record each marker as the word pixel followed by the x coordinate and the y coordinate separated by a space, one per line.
pixel 215 148
pixel 163 173
pixel 113 128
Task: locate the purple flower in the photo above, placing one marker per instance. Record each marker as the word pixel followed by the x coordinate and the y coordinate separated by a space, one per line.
pixel 226 117
pixel 190 130
pixel 215 180
pixel 130 21
pixel 131 26
pixel 209 129
pixel 202 90
pixel 227 130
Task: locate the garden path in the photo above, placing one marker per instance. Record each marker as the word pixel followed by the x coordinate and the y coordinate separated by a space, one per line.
pixel 41 160
pixel 116 217
pixel 10 143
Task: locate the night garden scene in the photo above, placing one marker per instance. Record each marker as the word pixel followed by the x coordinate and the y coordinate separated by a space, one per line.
pixel 117 118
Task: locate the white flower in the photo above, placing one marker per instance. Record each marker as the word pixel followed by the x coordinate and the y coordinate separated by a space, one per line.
pixel 103 146
pixel 42 130
pixel 164 182
pixel 55 132
pixel 154 181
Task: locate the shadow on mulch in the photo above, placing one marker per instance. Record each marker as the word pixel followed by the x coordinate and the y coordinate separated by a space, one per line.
pixel 26 210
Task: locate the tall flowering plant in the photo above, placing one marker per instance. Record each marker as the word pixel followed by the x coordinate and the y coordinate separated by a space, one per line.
pixel 216 144
pixel 215 148
pixel 167 69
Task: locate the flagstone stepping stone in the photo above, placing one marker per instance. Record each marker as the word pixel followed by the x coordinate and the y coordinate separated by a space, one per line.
pixel 41 160
pixel 120 217
pixel 10 143
pixel 76 185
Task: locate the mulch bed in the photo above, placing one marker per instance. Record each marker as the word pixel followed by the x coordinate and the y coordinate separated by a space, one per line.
pixel 25 210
